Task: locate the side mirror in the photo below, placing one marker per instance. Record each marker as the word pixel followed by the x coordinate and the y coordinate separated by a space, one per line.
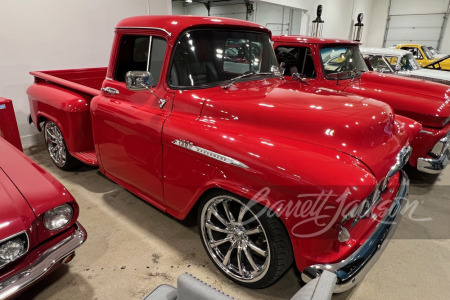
pixel 138 80
pixel 142 80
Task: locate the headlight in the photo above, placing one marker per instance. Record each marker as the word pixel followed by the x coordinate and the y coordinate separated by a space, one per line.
pixel 58 217
pixel 13 248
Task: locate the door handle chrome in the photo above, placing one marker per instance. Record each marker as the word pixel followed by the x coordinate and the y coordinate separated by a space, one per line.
pixel 110 90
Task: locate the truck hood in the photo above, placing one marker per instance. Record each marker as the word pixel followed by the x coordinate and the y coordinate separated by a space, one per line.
pixel 39 190
pixel 15 214
pixel 424 101
pixel 363 128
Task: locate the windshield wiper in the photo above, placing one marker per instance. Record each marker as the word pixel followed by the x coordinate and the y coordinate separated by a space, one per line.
pixel 246 74
pixel 355 72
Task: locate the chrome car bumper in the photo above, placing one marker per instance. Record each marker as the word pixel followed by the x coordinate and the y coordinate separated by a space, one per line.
pixel 43 264
pixel 441 152
pixel 353 269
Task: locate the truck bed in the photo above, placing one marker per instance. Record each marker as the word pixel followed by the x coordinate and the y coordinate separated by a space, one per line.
pixel 65 96
pixel 88 81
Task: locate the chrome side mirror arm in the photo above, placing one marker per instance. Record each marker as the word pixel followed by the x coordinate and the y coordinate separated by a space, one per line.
pixel 161 101
pixel 141 80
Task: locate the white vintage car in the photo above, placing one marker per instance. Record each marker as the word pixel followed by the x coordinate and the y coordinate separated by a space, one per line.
pixel 402 62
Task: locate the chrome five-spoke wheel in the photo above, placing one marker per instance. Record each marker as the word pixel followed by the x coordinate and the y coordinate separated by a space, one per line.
pixel 239 239
pixel 57 147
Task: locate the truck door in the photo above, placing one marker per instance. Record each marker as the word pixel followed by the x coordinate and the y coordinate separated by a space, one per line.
pixel 127 125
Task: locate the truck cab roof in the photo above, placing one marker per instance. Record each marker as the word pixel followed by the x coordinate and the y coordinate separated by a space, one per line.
pixel 310 40
pixel 173 25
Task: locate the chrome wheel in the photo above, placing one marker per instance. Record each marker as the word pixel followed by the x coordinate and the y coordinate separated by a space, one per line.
pixel 235 238
pixel 55 143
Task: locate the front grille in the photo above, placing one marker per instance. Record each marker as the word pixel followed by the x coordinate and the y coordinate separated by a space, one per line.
pixel 365 208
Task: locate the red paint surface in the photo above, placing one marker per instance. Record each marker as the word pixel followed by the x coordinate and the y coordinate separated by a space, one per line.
pixel 8 123
pixel 295 139
pixel 26 192
pixel 425 102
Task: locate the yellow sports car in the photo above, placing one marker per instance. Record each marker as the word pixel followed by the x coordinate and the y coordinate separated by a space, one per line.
pixel 424 56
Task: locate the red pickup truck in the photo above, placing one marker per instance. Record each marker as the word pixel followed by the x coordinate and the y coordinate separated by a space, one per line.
pixel 339 65
pixel 193 115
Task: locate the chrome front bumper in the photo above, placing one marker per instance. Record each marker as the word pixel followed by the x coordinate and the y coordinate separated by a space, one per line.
pixel 43 264
pixel 441 153
pixel 352 270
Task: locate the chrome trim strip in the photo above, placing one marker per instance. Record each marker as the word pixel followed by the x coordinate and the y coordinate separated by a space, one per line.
pixel 426 132
pixel 43 264
pixel 151 28
pixel 353 269
pixel 366 206
pixel 11 237
pixel 402 160
pixel 220 157
pixel 110 79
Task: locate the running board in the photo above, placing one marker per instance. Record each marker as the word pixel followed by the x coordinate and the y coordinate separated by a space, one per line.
pixel 87 157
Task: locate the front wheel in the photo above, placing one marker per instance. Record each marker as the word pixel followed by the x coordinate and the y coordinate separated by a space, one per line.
pixel 57 148
pixel 245 242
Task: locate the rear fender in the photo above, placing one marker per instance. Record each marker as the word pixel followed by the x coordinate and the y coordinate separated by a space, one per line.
pixel 68 109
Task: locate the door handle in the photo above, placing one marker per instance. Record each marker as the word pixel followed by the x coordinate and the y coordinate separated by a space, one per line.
pixel 110 90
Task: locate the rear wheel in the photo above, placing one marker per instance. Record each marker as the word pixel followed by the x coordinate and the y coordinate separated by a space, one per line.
pixel 57 148
pixel 248 246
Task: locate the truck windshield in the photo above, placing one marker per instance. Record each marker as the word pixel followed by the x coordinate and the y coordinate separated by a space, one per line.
pixel 428 53
pixel 205 58
pixel 342 62
pixel 409 63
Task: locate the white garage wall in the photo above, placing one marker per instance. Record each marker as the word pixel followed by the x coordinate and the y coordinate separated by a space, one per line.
pixel 445 46
pixel 377 25
pixel 405 7
pixel 339 15
pixel 380 15
pixel 193 9
pixel 47 34
pixel 178 8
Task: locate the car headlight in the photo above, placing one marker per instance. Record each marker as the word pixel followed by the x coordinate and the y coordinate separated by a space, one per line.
pixel 13 248
pixel 58 217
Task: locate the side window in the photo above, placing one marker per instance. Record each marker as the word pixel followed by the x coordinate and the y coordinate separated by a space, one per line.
pixel 297 60
pixel 378 64
pixel 134 56
pixel 392 60
pixel 156 58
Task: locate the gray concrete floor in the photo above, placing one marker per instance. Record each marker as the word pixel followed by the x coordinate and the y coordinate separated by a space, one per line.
pixel 132 248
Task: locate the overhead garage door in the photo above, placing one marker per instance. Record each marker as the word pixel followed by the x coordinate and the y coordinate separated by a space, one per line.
pixel 416 21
